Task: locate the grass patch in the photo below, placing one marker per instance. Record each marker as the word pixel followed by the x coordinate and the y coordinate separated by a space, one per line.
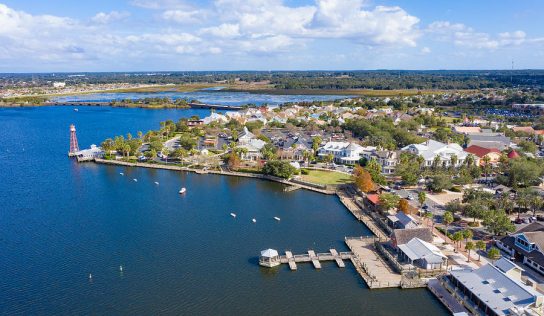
pixel 326 177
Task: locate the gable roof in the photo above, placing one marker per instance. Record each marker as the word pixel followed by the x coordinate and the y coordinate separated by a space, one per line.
pixel 417 249
pixel 481 151
pixel 403 236
pixel 533 227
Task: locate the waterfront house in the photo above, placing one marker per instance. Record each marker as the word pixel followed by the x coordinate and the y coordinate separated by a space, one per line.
pixel 526 245
pixel 252 144
pixel 431 149
pixel 422 254
pixel 490 291
pixel 343 152
pixel 90 153
pixel 402 236
pixel 401 221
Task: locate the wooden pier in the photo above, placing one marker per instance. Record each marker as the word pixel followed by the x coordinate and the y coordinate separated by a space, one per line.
pixel 315 258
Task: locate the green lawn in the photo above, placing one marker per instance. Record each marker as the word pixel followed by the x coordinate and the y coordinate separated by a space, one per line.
pixel 326 177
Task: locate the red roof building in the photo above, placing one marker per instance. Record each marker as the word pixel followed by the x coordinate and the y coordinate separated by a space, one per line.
pixel 373 198
pixel 493 154
pixel 513 154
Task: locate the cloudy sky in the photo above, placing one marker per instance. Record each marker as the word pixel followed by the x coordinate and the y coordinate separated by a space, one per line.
pixel 153 35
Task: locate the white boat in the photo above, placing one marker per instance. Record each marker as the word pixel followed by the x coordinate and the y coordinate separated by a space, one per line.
pixel 277 218
pixel 183 190
pixel 121 173
pixel 76 109
pixel 121 268
pixel 135 180
pixel 233 215
pixel 90 276
pixel 254 220
pixel 156 183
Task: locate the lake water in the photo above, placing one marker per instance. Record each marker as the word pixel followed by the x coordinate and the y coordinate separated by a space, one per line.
pixel 61 221
pixel 205 96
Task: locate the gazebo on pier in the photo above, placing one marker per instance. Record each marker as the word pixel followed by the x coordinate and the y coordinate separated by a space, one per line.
pixel 269 258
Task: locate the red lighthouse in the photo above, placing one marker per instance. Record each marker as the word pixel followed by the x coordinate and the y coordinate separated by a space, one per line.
pixel 73 141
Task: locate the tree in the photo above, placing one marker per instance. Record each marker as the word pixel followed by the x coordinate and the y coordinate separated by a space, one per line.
pixel 329 158
pixel 108 145
pixel 486 166
pixel 467 234
pixel 429 216
pixel 403 206
pixel 316 142
pixel 439 182
pixel 282 169
pixel 421 197
pixel 363 179
pixel 457 237
pixel 375 170
pixel 480 245
pixel 408 168
pixel 388 201
pixel 494 254
pixel 497 222
pixel 468 247
pixel 447 219
pixel 233 160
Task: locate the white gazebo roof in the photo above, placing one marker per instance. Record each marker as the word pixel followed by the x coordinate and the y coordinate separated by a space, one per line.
pixel 269 253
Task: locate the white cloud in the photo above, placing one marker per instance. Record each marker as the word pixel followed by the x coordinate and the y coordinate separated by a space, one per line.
pixel 425 50
pixel 462 35
pixel 159 4
pixel 225 30
pixel 182 16
pixel 104 18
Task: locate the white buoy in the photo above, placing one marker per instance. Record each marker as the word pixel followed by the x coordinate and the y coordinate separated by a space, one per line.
pixel 90 276
pixel 254 220
pixel 233 215
pixel 156 183
pixel 121 173
pixel 121 268
pixel 277 218
pixel 135 180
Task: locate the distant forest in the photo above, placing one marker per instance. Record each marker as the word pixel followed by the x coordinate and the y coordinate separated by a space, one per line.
pixel 336 80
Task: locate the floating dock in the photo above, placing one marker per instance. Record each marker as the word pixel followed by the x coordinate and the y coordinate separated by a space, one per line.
pixel 315 258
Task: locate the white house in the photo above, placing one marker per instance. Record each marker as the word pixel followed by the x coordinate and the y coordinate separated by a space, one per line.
pixel 343 152
pixel 422 254
pixel 215 117
pixel 252 144
pixel 431 149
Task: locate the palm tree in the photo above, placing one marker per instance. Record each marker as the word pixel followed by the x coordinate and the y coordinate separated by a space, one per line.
pixel 480 245
pixel 421 197
pixel 447 219
pixel 467 234
pixel 486 166
pixel 430 216
pixel 468 247
pixel 457 237
pixel 453 160
pixel 494 254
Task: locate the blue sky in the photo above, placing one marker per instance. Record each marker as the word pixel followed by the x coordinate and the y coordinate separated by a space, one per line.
pixel 153 35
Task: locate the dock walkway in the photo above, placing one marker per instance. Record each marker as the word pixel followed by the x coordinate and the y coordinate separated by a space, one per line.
pixel 370 265
pixel 315 258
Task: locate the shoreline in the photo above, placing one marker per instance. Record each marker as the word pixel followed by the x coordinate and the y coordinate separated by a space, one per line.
pixel 216 172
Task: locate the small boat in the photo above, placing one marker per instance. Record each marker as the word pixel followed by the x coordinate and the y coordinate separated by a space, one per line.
pixel 156 183
pixel 233 215
pixel 254 220
pixel 277 218
pixel 76 109
pixel 182 191
pixel 121 268
pixel 121 173
pixel 90 276
pixel 135 180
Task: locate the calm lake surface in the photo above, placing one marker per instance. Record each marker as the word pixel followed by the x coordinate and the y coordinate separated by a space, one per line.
pixel 205 96
pixel 60 221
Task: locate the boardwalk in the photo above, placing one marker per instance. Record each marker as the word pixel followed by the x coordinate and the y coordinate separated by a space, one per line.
pixel 374 270
pixel 351 205
pixel 445 297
